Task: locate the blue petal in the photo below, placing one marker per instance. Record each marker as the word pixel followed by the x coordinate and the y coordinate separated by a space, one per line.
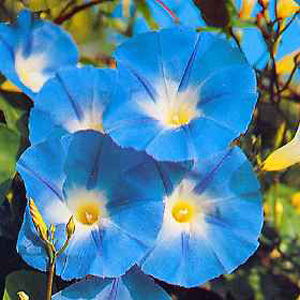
pixel 150 55
pixel 216 55
pixel 30 246
pixel 208 136
pixel 101 248
pixel 257 56
pixel 230 248
pixel 234 181
pixel 228 100
pixel 141 286
pixel 185 10
pixel 230 228
pixel 69 100
pixel 177 147
pixel 34 36
pixel 132 286
pixel 41 168
pixel 183 260
pixel 42 127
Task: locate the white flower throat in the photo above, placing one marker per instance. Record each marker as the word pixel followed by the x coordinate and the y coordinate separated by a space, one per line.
pixel 172 108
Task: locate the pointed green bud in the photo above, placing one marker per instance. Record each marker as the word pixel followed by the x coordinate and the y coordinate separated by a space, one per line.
pixel 38 221
pixel 22 296
pixel 52 231
pixel 70 228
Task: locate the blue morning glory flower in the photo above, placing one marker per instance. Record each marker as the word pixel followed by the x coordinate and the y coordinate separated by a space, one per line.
pixel 115 195
pixel 181 94
pixel 211 224
pixel 134 285
pixel 32 50
pixel 185 11
pixel 75 99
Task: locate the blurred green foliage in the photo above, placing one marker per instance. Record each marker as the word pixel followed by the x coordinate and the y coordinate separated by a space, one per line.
pixel 34 283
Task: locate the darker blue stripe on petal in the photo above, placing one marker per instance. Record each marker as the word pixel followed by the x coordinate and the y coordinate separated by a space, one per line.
pixel 187 72
pixel 97 236
pixel 113 294
pixel 76 107
pixel 44 181
pixel 94 174
pixel 232 229
pixel 144 82
pixel 9 48
pixel 165 178
pixel 209 177
pixel 141 243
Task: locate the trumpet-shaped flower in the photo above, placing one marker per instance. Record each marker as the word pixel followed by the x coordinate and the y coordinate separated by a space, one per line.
pixel 134 285
pixel 165 13
pixel 211 224
pixel 114 195
pixel 285 156
pixel 181 94
pixel 246 9
pixel 286 8
pixel 75 99
pixel 287 63
pixel 32 50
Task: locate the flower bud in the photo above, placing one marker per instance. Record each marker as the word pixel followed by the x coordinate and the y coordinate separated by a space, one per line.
pixel 38 221
pixel 22 296
pixel 246 9
pixel 70 228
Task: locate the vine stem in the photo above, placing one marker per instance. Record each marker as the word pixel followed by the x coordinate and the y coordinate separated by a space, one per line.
pixel 51 271
pixel 62 18
pixel 275 219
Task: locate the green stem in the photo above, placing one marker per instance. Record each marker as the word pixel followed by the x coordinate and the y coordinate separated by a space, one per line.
pixel 275 203
pixel 51 272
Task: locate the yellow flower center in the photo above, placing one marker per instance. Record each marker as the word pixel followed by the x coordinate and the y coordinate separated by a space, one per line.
pixel 91 120
pixel 88 213
pixel 180 115
pixel 183 211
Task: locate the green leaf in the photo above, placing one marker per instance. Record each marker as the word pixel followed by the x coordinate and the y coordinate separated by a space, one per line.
pixel 15 110
pixel 13 137
pixel 143 8
pixel 9 147
pixel 288 220
pixel 31 282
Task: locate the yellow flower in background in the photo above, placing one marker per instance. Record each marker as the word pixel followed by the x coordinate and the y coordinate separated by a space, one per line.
pixel 286 8
pixel 10 87
pixel 126 8
pixel 285 156
pixel 265 3
pixel 268 210
pixel 246 9
pixel 296 201
pixel 286 64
